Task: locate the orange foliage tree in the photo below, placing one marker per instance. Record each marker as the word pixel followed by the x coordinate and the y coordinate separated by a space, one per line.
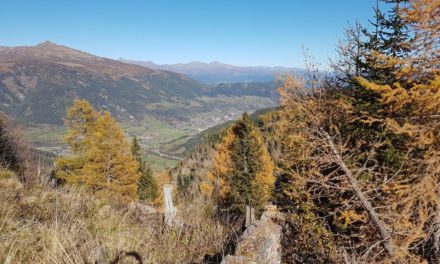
pixel 102 160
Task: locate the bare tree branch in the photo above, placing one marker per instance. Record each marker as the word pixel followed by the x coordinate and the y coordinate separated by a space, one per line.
pixel 380 226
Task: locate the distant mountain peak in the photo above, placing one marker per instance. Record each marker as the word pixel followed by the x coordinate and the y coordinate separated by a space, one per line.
pixel 191 63
pixel 217 72
pixel 49 46
pixel 46 44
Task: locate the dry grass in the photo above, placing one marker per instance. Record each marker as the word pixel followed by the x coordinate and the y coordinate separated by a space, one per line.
pixel 42 225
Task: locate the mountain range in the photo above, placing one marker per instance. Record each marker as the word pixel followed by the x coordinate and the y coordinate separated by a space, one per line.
pixel 216 72
pixel 38 83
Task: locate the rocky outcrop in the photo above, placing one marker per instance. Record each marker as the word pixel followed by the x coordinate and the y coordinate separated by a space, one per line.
pixel 261 242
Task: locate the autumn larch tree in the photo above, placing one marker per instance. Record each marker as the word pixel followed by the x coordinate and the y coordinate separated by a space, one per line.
pixel 102 160
pixel 363 160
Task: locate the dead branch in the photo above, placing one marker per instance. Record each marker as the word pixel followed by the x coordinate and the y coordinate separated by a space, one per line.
pixel 379 225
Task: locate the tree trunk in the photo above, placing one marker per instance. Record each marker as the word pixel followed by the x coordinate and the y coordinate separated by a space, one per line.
pixel 380 226
pixel 436 235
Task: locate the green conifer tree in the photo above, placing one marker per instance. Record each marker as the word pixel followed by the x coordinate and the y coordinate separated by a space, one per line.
pixel 390 37
pixel 249 177
pixel 147 186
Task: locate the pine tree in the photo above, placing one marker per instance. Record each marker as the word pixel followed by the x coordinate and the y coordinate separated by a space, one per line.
pixel 147 186
pixel 390 37
pixel 102 160
pixel 136 150
pixel 381 59
pixel 363 52
pixel 243 169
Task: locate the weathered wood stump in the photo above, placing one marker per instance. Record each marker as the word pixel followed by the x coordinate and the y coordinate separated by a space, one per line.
pixel 169 209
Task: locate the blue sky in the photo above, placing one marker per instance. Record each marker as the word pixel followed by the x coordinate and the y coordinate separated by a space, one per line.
pixel 240 32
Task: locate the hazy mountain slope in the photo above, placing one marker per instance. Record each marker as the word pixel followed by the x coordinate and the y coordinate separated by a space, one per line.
pixel 209 136
pixel 216 72
pixel 38 83
pixel 261 89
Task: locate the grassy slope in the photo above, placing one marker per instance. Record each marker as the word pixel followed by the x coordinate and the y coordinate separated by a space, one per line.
pixel 43 225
